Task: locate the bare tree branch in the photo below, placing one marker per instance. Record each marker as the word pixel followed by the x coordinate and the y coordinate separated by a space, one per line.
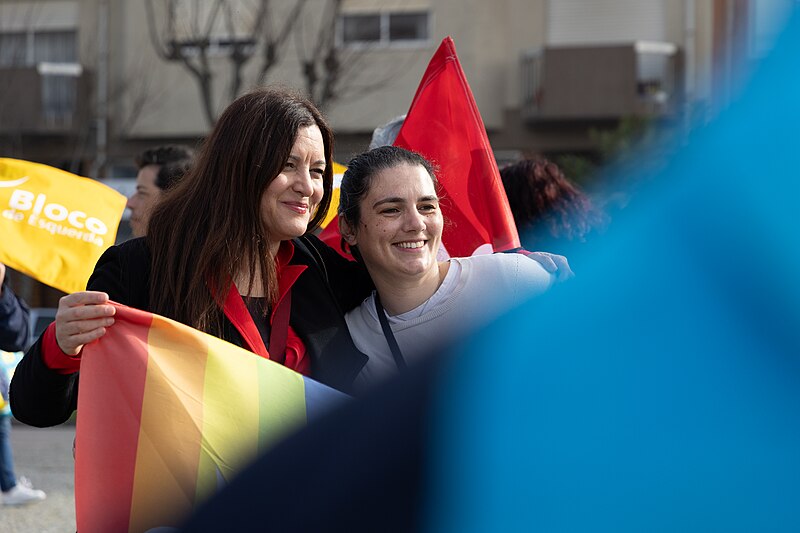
pixel 273 46
pixel 330 72
pixel 191 52
pixel 152 29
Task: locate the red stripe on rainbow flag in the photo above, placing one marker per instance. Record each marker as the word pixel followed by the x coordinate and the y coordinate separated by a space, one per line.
pixel 105 463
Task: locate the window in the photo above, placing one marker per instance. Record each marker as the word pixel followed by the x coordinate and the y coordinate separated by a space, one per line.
pixel 27 49
pixel 579 22
pixel 13 49
pixel 37 47
pixel 408 27
pixel 55 47
pixel 384 29
pixel 361 28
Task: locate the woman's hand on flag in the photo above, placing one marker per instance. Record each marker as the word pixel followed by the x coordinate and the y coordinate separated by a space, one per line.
pixel 81 318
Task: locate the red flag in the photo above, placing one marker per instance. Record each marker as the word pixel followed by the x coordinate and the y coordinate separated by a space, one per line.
pixel 444 125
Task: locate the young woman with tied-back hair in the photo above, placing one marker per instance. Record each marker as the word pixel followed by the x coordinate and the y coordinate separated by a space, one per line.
pixel 389 215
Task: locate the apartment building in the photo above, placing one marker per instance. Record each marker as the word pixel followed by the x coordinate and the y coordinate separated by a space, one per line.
pixel 85 84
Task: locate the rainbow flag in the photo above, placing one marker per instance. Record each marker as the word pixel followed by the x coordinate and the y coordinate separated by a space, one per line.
pixel 168 415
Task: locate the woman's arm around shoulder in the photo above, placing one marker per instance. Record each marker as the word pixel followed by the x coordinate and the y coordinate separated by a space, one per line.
pixel 516 274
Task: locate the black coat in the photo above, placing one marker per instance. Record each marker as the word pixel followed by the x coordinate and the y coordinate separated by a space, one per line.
pixel 320 296
pixel 14 318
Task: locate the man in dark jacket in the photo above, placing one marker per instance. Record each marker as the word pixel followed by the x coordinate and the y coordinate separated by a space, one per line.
pixel 160 168
pixel 14 324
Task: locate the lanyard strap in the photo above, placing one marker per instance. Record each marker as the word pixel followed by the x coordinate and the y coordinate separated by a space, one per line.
pixel 387 332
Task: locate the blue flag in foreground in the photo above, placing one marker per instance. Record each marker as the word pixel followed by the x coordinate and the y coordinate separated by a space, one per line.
pixel 659 390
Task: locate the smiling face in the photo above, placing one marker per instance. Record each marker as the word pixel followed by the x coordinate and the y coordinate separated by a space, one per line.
pixel 290 200
pixel 400 226
pixel 144 199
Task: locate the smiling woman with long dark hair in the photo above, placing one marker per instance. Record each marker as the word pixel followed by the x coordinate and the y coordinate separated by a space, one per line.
pixel 227 252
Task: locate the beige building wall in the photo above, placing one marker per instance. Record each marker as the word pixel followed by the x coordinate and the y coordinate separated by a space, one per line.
pixel 153 99
pixel 525 27
pixel 703 39
pixel 399 67
pixel 690 25
pixel 489 37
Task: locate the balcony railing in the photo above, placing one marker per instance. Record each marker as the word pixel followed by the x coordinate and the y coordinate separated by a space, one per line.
pixel 51 98
pixel 601 82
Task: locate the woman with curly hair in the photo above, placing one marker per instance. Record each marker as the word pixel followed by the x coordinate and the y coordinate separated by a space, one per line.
pixel 547 207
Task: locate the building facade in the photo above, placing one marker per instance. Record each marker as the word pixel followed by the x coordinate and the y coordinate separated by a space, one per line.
pixel 87 84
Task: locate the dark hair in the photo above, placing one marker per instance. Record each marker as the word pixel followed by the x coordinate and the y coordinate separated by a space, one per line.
pixel 545 204
pixel 169 174
pixel 363 167
pixel 164 155
pixel 209 226
pixel 174 161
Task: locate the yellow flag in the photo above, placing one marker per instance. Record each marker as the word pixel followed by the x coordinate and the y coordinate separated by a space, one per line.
pixel 55 225
pixel 338 171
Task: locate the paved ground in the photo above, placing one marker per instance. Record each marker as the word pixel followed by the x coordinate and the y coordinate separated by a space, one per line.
pixel 45 457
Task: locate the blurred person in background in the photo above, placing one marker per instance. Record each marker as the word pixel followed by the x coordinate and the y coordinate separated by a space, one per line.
pixel 159 169
pixel 14 324
pixel 547 207
pixel 386 134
